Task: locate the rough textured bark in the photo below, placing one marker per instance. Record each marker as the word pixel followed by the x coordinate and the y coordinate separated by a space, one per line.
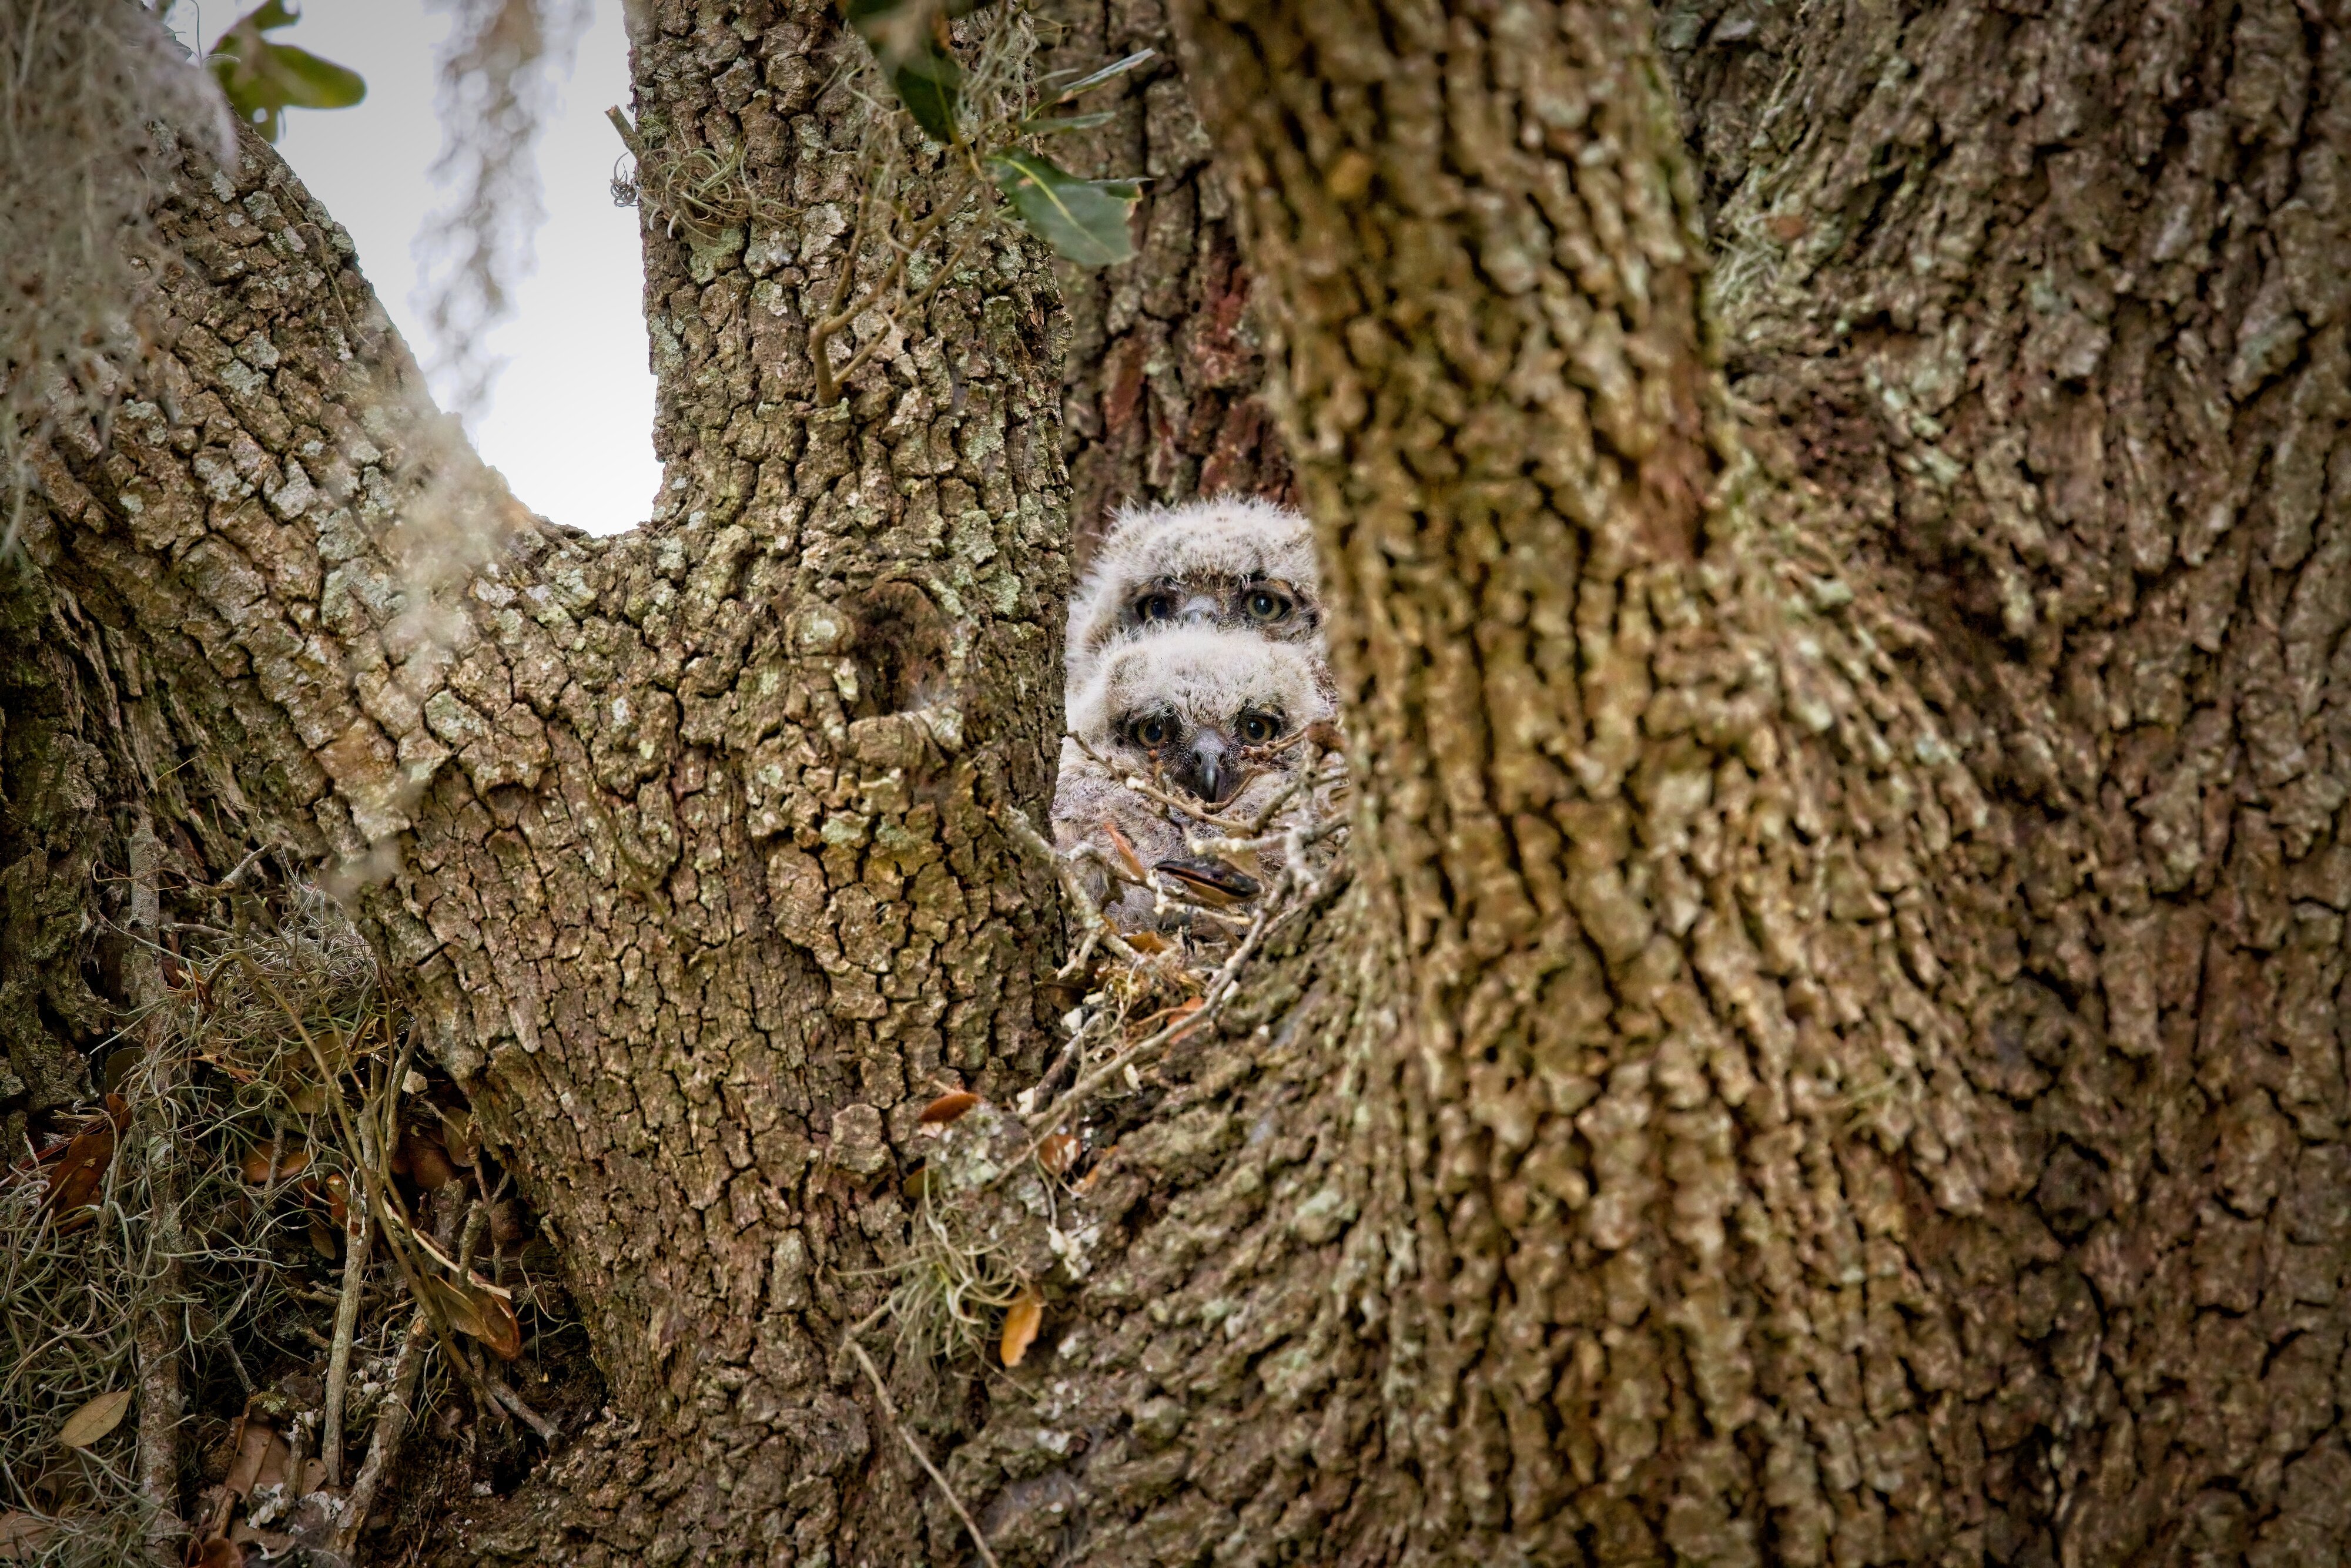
pixel 1831 1050
pixel 1658 1027
pixel 2066 343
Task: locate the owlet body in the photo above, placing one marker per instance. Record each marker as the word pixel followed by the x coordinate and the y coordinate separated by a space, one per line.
pixel 1197 709
pixel 1233 562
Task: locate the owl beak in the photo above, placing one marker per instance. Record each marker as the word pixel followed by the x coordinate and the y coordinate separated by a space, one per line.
pixel 1199 606
pixel 1212 766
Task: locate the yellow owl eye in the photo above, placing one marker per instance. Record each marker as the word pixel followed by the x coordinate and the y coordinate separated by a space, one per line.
pixel 1152 730
pixel 1256 727
pixel 1155 607
pixel 1265 605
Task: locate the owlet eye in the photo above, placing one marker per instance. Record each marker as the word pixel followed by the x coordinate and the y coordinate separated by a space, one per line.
pixel 1152 730
pixel 1265 605
pixel 1256 727
pixel 1155 607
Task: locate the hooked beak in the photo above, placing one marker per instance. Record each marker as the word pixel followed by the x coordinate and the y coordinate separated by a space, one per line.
pixel 1199 606
pixel 1213 769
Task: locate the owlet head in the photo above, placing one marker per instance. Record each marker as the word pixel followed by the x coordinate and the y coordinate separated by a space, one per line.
pixel 1192 702
pixel 1234 563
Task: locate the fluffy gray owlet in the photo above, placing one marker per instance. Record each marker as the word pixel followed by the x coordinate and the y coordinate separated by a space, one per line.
pixel 1188 704
pixel 1233 562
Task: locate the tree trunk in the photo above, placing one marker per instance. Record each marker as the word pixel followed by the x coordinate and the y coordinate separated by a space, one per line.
pixel 2042 339
pixel 1832 1047
pixel 2063 343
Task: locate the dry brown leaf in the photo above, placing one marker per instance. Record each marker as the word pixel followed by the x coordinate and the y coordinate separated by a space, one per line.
pixel 1022 1322
pixel 1175 1014
pixel 1148 942
pixel 480 1310
pixel 502 1330
pixel 22 1535
pixel 322 1238
pixel 1244 862
pixel 73 1185
pixel 1125 851
pixel 338 1198
pixel 253 1441
pixel 429 1163
pixel 1085 1183
pixel 1212 882
pixel 946 1108
pixel 266 1161
pixel 220 1552
pixel 1058 1151
pixel 94 1420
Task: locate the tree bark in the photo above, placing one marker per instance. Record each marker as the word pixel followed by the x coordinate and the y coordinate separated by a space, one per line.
pixel 2065 345
pixel 1831 1050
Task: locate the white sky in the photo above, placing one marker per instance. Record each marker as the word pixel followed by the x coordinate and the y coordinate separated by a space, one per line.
pixel 570 422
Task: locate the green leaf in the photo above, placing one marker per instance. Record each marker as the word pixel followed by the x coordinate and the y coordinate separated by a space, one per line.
pixel 1085 220
pixel 1067 122
pixel 310 82
pixel 1110 72
pixel 905 36
pixel 268 18
pixel 930 84
pixel 262 79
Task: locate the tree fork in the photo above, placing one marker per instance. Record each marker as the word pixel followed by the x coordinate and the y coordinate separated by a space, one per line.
pixel 1783 1082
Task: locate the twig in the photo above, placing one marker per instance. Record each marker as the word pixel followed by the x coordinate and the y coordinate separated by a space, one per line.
pixel 393 1221
pixel 1090 914
pixel 628 137
pixel 1220 989
pixel 160 1391
pixel 1309 777
pixel 913 247
pixel 338 1354
pixel 1041 1123
pixel 514 1402
pixel 912 306
pixel 391 1425
pixel 828 385
pixel 1283 840
pixel 821 333
pixel 234 877
pixel 890 1416
pixel 1079 959
pixel 501 1398
pixel 848 278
